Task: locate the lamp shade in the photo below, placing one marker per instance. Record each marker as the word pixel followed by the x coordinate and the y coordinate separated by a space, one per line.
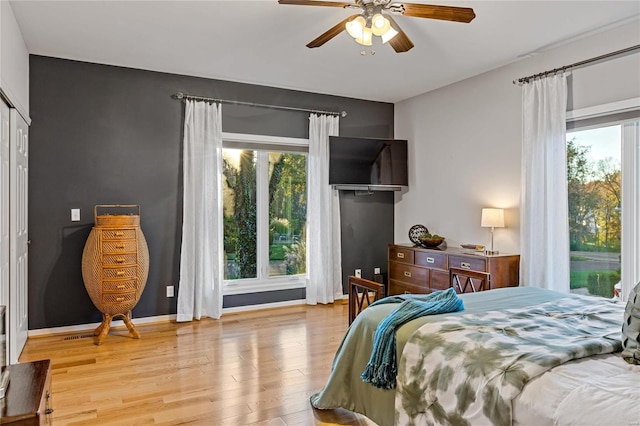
pixel 355 26
pixel 391 33
pixel 492 218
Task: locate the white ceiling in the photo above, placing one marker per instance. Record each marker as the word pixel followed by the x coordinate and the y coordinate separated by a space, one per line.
pixel 262 42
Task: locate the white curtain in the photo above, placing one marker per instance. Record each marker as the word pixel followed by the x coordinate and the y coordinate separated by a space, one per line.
pixel 324 263
pixel 201 274
pixel 544 256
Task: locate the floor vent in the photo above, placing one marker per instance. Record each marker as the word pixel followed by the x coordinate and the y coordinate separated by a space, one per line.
pixel 78 336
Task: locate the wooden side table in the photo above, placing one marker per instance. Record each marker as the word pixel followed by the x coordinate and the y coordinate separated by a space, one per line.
pixel 28 398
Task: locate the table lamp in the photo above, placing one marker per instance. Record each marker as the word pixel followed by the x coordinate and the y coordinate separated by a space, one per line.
pixel 492 218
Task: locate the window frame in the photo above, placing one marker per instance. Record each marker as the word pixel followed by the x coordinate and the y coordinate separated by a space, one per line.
pixel 263 144
pixel 630 165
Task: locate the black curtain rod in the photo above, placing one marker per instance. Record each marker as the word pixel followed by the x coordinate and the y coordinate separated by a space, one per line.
pixel 181 96
pixel 600 58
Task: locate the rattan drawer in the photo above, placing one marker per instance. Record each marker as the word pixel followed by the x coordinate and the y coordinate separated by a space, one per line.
pixel 112 273
pixel 115 246
pixel 119 286
pixel 118 234
pixel 119 259
pixel 118 298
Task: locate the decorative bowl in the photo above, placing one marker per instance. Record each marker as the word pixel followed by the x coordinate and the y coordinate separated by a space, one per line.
pixel 431 242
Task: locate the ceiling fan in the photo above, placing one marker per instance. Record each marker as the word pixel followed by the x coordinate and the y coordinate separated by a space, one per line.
pixel 372 21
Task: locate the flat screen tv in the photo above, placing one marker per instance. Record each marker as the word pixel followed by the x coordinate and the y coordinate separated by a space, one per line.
pixel 368 162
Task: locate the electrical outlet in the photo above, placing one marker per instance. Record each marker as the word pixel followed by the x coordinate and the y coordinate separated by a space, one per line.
pixel 169 291
pixel 376 271
pixel 359 273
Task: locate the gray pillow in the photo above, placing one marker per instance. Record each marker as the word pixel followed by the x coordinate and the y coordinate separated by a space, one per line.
pixel 631 328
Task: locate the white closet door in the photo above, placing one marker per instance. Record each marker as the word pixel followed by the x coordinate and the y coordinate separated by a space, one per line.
pixel 18 234
pixel 4 220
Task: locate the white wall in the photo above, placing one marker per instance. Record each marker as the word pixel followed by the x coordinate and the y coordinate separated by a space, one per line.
pixel 465 139
pixel 14 61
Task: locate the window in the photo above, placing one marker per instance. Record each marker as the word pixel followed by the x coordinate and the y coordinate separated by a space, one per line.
pixel 598 168
pixel 265 213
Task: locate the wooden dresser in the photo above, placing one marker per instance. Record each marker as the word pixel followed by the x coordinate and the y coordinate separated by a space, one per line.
pixel 421 270
pixel 115 265
pixel 28 398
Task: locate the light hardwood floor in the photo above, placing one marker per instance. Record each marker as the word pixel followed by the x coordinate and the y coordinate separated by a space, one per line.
pixel 254 368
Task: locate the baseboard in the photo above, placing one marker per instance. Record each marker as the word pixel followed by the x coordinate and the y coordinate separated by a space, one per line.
pixel 163 318
pixel 90 327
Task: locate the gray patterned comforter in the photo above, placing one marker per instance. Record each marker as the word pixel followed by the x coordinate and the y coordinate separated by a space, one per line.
pixel 466 369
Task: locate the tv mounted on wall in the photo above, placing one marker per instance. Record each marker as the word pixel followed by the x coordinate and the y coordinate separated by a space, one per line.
pixel 368 164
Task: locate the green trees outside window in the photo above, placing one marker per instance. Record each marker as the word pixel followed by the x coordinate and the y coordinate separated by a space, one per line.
pixel 594 191
pixel 276 183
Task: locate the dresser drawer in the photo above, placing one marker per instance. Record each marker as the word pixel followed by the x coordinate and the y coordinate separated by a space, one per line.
pixel 467 262
pixel 118 234
pixel 119 286
pixel 119 259
pixel 397 287
pixel 111 273
pixel 431 260
pixel 440 280
pixel 400 254
pixel 115 246
pixel 408 274
pixel 116 298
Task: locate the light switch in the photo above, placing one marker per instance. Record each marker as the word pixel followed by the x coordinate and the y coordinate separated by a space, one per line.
pixel 75 215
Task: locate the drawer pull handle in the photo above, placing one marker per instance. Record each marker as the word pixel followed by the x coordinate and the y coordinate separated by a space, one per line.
pixel 119 299
pixel 430 260
pixel 119 234
pixel 400 255
pixel 48 411
pixel 119 246
pixel 120 260
pixel 407 274
pixel 120 273
pixel 465 265
pixel 120 287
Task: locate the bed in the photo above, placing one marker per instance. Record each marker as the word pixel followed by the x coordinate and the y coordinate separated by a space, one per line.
pixel 593 389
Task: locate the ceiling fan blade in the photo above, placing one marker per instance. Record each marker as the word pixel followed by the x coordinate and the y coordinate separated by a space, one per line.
pixel 315 3
pixel 401 42
pixel 330 33
pixel 445 13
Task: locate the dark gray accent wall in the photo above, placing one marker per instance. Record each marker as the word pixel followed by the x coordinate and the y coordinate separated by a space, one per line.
pixel 365 235
pixel 106 135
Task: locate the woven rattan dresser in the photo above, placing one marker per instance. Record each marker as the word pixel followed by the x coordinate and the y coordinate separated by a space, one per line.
pixel 115 265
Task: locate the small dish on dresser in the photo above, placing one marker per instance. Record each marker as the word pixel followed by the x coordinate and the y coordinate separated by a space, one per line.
pixel 476 247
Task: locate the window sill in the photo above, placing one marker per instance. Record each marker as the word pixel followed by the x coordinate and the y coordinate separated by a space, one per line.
pixel 255 286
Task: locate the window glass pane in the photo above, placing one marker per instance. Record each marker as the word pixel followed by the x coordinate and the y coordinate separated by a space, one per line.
pixel 239 203
pixel 287 213
pixel 593 174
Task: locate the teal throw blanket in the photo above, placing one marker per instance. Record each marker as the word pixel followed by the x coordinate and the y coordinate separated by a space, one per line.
pixel 382 368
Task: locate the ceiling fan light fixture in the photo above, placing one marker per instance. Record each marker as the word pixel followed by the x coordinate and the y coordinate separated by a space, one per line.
pixel 391 33
pixel 365 38
pixel 356 26
pixel 379 24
